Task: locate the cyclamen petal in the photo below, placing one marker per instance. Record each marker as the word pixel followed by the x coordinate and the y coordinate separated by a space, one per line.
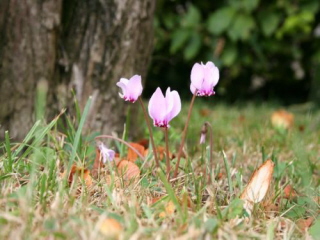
pixel 197 75
pixel 176 106
pixel 157 105
pixel 106 153
pixel 204 78
pixel 163 109
pixel 131 89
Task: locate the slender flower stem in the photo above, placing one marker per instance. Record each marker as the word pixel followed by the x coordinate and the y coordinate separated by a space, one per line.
pixel 184 134
pixel 122 141
pixel 211 149
pixel 167 152
pixel 150 132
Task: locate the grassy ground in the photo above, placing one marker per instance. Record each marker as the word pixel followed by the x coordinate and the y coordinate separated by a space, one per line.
pixel 37 202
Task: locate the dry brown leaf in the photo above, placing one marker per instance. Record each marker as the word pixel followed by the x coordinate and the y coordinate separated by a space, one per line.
pixel 241 118
pixel 304 224
pixel 144 142
pixel 162 151
pixel 132 155
pixel 97 163
pixel 258 185
pixel 219 176
pixel 289 192
pixel 204 112
pixel 154 200
pixel 111 228
pixel 80 172
pixel 128 170
pixel 282 119
pixel 185 200
pixel 168 210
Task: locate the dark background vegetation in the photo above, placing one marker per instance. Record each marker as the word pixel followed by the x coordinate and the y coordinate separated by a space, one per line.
pixel 266 50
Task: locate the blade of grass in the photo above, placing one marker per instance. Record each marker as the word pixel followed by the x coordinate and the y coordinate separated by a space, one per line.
pixel 170 191
pixel 78 133
pixel 27 138
pixel 226 164
pixel 40 135
pixel 9 165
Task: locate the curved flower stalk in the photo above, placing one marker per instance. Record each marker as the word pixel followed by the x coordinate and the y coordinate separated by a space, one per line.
pixel 131 89
pixel 162 109
pixel 204 130
pixel 204 78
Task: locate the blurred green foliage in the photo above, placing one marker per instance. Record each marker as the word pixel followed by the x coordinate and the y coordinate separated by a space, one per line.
pixel 264 49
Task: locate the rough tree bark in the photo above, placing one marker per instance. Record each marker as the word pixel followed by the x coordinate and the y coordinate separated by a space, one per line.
pixel 28 34
pixel 85 45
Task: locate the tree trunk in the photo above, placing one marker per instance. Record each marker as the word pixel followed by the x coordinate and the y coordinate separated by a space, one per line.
pixel 95 44
pixel 28 33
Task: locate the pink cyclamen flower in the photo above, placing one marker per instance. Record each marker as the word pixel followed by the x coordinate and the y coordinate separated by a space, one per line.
pixel 202 138
pixel 162 109
pixel 106 153
pixel 131 89
pixel 204 78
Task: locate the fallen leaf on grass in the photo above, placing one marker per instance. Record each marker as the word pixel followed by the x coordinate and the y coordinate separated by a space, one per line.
pixel 132 155
pixel 282 119
pixel 144 142
pixel 186 200
pixel 168 210
pixel 128 170
pixel 258 186
pixel 289 192
pixel 204 112
pixel 111 228
pixel 219 176
pixel 304 224
pixel 162 151
pixel 82 173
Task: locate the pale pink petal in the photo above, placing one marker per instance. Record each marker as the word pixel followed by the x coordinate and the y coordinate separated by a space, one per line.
pixel 106 153
pixel 202 138
pixel 157 106
pixel 174 96
pixel 134 87
pixel 192 88
pixel 123 88
pixel 169 101
pixel 211 74
pixel 197 75
pixel 124 81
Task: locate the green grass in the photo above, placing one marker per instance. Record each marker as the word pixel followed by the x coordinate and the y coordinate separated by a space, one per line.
pixel 36 202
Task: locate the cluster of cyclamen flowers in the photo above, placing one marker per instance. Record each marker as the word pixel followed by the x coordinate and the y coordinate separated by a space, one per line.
pixel 163 108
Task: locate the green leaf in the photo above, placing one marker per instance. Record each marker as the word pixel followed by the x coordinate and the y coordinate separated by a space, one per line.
pixel 315 230
pixel 211 224
pixel 269 21
pixel 250 5
pixel 234 209
pixel 297 24
pixel 229 54
pixel 241 27
pixel 192 18
pixel 179 38
pixel 310 6
pixel 193 47
pixel 295 211
pixel 220 20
